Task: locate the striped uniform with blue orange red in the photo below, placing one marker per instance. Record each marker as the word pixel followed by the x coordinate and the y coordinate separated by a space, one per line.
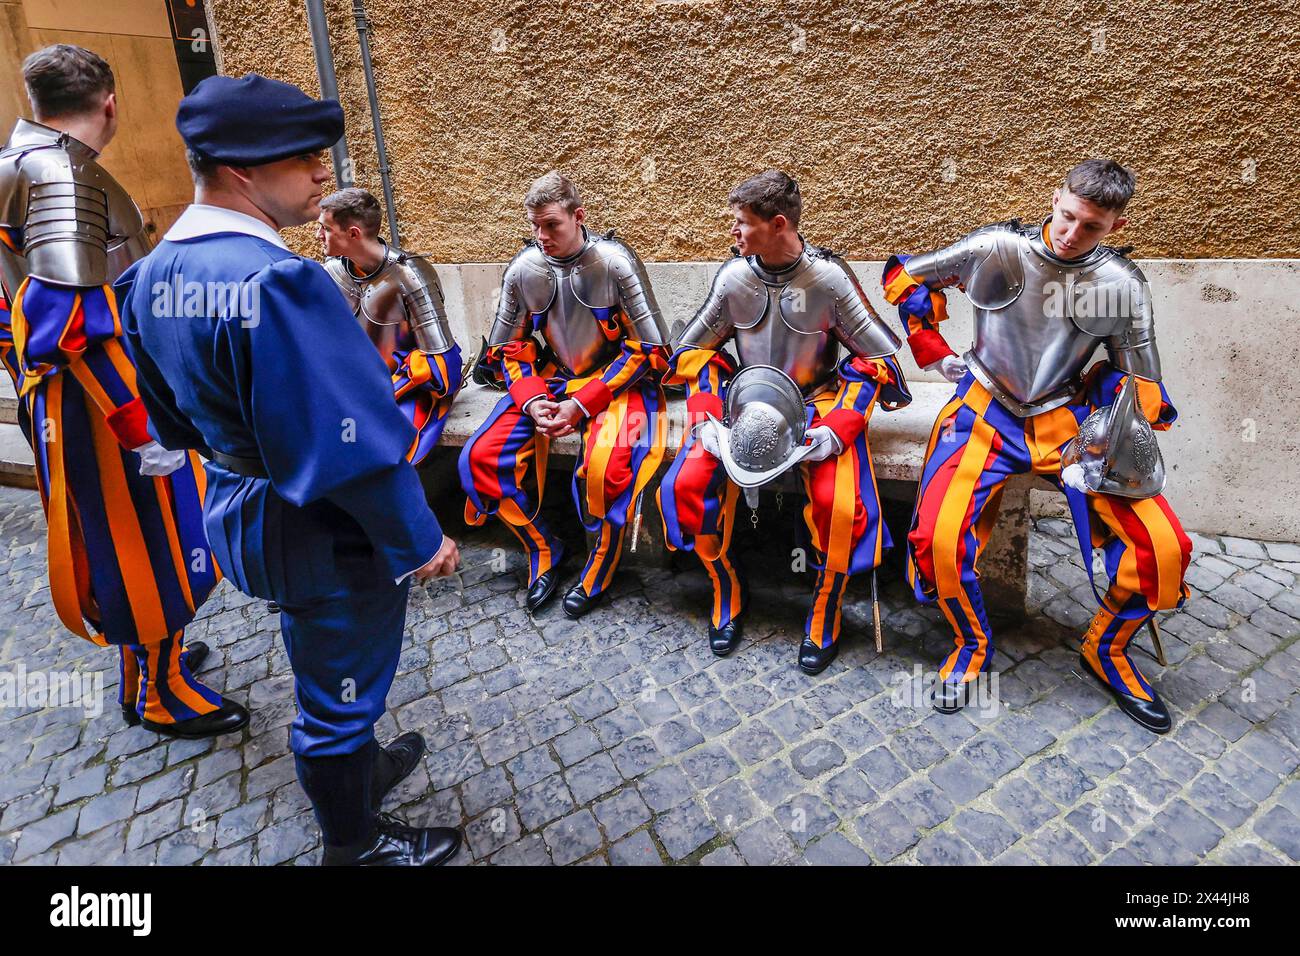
pixel 920 309
pixel 425 387
pixel 974 447
pixel 698 502
pixel 503 466
pixel 129 562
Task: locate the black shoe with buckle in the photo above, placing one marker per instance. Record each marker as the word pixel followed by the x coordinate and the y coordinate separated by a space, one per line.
pixel 394 763
pixel 1151 714
pixel 195 654
pixel 814 659
pixel 396 844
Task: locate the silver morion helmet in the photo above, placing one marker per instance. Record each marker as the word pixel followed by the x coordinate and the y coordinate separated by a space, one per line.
pixel 764 433
pixel 1117 449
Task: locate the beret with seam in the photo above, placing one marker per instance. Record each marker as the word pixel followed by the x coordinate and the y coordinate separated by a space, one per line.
pixel 255 120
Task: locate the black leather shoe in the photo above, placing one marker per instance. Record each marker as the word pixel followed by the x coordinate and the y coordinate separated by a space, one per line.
pixel 229 718
pixel 723 640
pixel 395 763
pixel 1151 714
pixel 396 844
pixel 577 602
pixel 814 659
pixel 195 654
pixel 950 696
pixel 543 589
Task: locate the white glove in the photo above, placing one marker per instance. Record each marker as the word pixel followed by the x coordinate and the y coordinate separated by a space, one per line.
pixel 1073 477
pixel 825 443
pixel 706 433
pixel 950 367
pixel 156 461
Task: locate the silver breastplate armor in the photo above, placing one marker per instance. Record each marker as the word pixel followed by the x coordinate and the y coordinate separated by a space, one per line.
pixel 399 305
pixel 794 319
pixel 74 224
pixel 571 299
pixel 1039 318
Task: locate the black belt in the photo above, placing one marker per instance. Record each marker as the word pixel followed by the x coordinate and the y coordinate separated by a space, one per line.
pixel 248 467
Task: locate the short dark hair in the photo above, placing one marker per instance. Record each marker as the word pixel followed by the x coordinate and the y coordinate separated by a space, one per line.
pixel 202 169
pixel 769 194
pixel 354 207
pixel 1103 182
pixel 65 80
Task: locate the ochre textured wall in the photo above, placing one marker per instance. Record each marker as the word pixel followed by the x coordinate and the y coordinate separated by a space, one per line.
pixel 907 123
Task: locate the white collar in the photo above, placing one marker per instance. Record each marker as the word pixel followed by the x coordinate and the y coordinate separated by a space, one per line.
pixel 199 219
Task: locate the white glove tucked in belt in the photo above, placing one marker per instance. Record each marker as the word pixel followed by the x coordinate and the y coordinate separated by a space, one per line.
pixel 157 461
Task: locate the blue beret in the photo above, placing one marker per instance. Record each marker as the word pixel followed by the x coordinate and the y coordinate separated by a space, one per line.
pixel 254 120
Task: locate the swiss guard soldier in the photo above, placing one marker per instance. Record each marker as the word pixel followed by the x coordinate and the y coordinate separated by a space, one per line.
pixel 397 299
pixel 1045 297
pixel 589 298
pixel 128 560
pixel 788 306
pixel 248 353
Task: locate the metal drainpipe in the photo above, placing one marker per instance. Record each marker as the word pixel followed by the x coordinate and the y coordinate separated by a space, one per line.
pixel 363 33
pixel 329 86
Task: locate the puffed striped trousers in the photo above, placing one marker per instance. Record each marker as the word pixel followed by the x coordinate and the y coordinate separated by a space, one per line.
pixel 503 472
pixel 974 447
pixel 698 504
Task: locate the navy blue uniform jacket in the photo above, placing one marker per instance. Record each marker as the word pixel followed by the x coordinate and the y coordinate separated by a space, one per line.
pixel 244 348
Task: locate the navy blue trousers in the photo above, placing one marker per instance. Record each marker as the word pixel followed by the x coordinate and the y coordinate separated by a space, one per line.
pixel 343 649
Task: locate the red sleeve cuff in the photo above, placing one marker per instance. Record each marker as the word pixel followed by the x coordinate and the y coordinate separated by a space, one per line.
pixel 130 424
pixel 928 347
pixel 595 397
pixel 700 404
pixel 527 388
pixel 846 424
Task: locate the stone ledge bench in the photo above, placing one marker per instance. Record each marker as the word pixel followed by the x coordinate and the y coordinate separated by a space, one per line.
pixel 17 466
pixel 898 441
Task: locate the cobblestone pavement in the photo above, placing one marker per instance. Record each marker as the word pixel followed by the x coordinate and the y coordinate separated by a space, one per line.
pixel 621 739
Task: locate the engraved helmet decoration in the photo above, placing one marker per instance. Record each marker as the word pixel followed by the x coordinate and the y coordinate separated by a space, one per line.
pixel 764 432
pixel 1117 449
